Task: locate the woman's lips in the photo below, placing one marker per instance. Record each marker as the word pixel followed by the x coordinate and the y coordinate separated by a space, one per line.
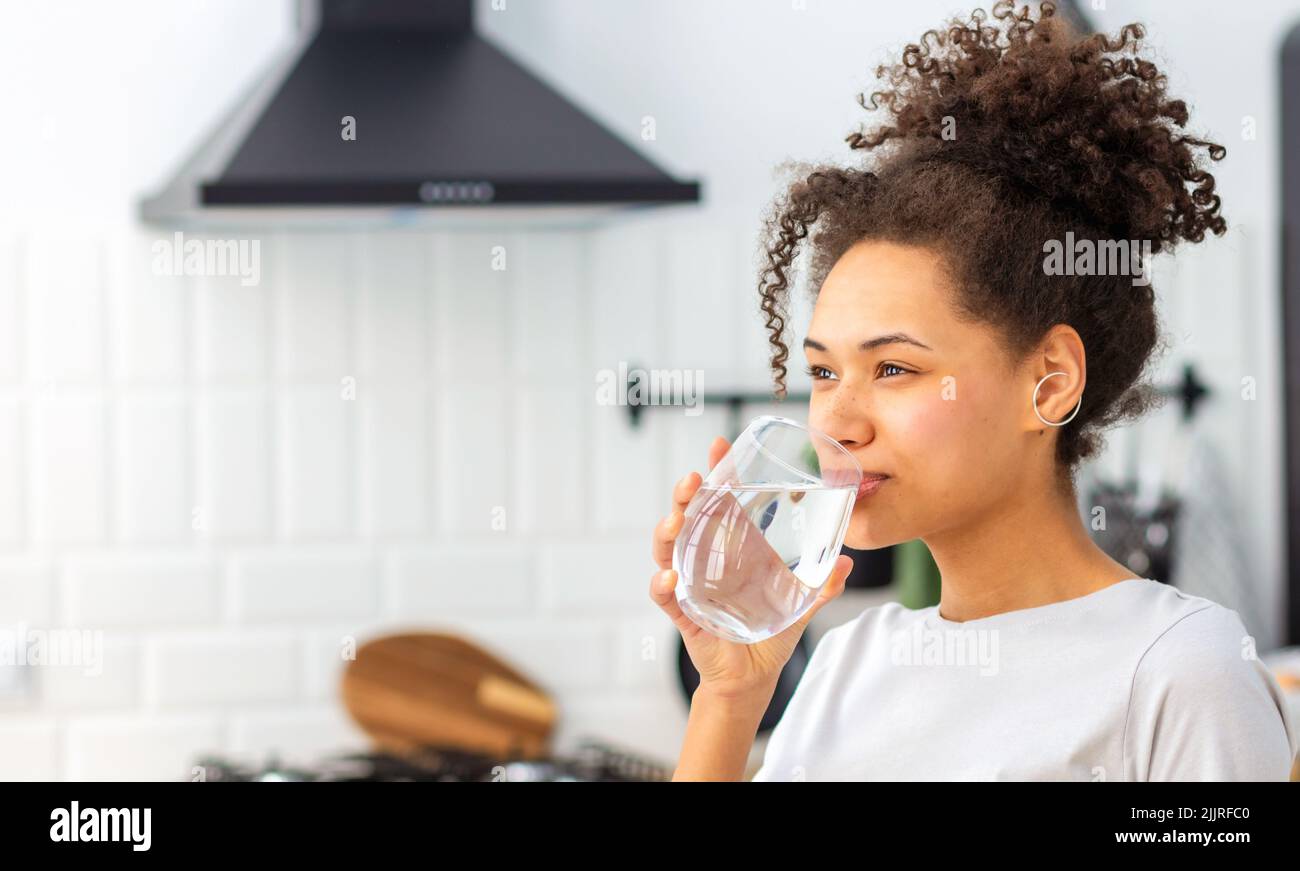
pixel 870 484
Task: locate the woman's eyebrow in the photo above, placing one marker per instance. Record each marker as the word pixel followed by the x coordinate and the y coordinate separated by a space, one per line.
pixel 887 339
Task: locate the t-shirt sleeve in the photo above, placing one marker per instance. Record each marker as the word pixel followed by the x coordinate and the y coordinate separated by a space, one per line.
pixel 1204 707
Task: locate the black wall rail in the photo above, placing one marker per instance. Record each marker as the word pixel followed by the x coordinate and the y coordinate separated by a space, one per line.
pixel 1190 391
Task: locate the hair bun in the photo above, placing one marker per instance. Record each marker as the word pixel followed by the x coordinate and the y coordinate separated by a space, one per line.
pixel 1083 122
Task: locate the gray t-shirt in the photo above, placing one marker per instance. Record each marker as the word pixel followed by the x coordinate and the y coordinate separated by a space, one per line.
pixel 1136 681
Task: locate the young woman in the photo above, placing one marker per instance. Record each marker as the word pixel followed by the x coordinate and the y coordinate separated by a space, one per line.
pixel 970 376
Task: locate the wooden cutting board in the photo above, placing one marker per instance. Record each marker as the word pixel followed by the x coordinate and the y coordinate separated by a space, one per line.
pixel 431 689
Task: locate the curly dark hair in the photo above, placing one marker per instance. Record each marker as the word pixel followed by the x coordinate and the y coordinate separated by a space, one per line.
pixel 1000 137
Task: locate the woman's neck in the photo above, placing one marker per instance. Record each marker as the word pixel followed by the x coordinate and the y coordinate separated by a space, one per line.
pixel 1031 552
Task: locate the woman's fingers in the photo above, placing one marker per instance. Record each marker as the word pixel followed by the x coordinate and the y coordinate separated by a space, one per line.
pixel 663 592
pixel 666 537
pixel 833 587
pixel 718 450
pixel 684 489
pixel 666 530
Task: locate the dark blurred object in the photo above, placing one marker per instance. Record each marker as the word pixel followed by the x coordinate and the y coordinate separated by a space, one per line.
pixel 1289 202
pixel 593 761
pixel 871 568
pixel 1140 538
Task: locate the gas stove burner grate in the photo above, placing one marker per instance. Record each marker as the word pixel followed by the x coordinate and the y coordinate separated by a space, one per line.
pixel 593 761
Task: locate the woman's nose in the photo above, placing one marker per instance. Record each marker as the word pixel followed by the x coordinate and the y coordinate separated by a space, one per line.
pixel 841 427
pixel 850 425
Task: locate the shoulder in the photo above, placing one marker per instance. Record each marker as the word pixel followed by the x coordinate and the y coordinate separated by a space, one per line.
pixel 1191 634
pixel 1180 637
pixel 1202 705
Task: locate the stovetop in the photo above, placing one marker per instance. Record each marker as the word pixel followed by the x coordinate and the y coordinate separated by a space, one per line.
pixel 593 761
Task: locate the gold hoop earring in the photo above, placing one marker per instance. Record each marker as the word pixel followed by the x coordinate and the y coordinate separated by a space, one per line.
pixel 1035 403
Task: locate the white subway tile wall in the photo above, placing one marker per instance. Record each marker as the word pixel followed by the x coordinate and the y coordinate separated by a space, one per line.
pixel 392 430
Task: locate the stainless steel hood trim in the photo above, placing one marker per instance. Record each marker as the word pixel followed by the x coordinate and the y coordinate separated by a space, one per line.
pixel 179 202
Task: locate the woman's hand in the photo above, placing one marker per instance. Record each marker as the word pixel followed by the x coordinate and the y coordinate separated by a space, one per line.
pixel 728 669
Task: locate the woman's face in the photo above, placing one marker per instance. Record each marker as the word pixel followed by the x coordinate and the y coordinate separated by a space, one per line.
pixel 914 394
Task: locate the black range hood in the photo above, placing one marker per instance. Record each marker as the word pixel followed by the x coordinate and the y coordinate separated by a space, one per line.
pixel 443 121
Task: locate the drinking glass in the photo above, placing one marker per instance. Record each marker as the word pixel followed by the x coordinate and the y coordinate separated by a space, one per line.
pixel 762 533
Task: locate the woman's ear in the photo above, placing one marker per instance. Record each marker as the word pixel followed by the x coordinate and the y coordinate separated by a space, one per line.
pixel 1055 396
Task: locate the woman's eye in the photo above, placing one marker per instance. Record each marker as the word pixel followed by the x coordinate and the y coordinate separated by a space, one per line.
pixel 884 367
pixel 820 372
pixel 886 370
